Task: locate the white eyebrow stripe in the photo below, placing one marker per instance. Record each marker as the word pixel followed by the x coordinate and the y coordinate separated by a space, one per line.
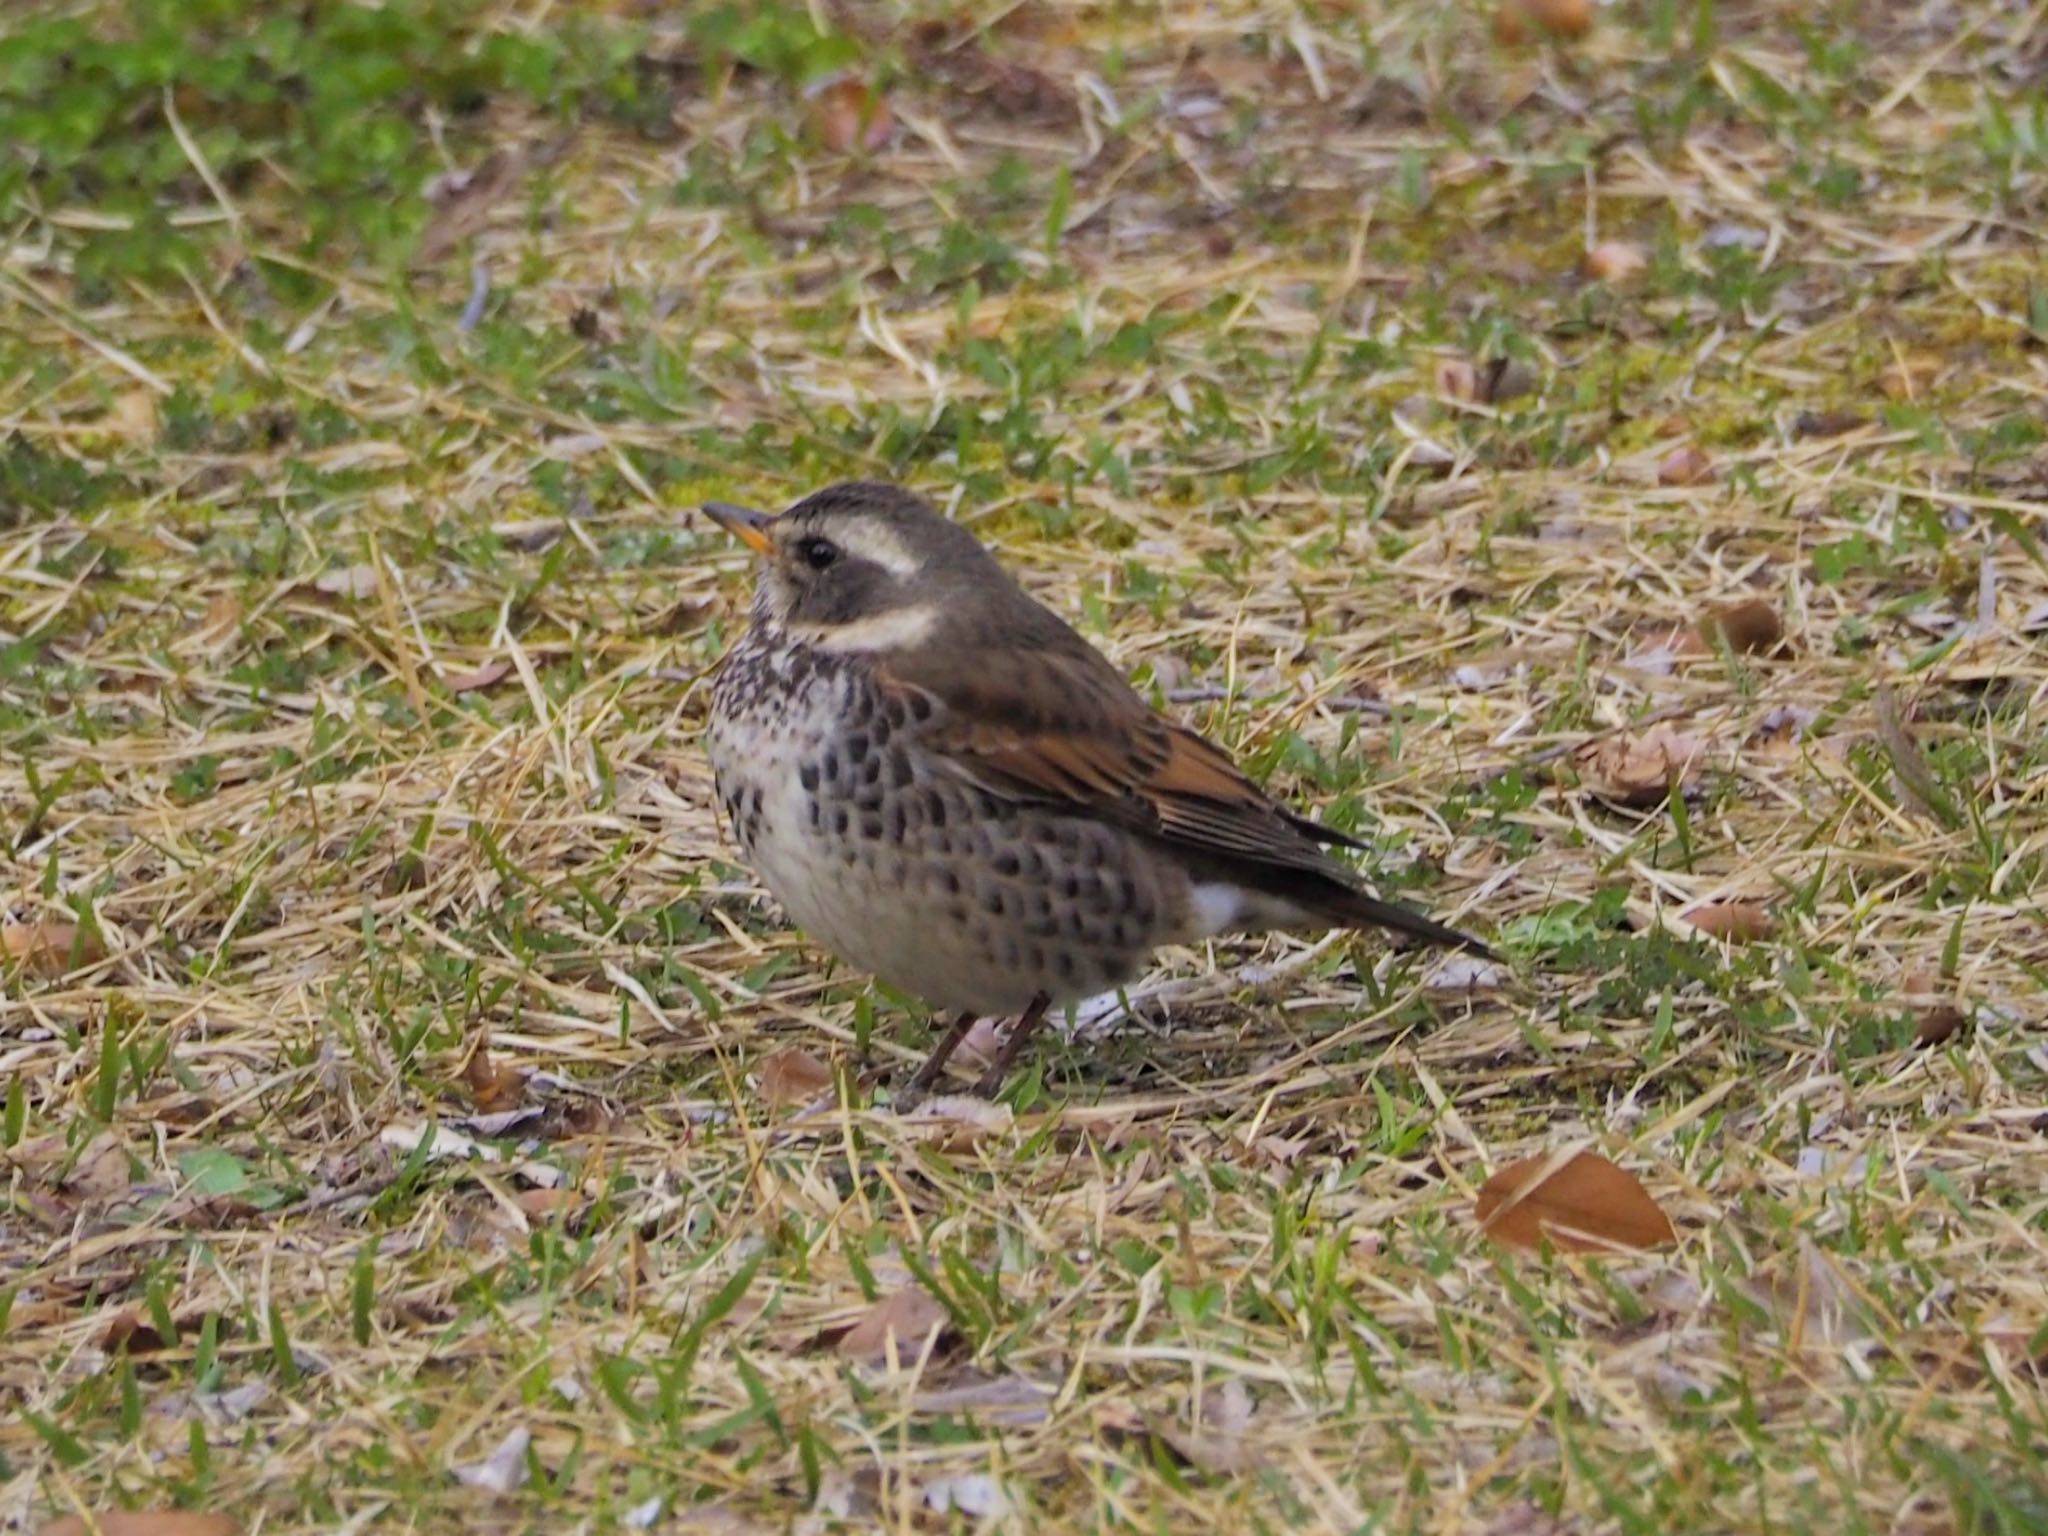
pixel 889 631
pixel 876 540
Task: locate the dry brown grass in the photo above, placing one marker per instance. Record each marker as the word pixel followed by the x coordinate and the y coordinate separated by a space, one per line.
pixel 351 715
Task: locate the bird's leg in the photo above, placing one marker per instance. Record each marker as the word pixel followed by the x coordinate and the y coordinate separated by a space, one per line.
pixel 1026 1026
pixel 942 1053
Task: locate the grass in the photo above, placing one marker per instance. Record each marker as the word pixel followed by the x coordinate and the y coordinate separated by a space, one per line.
pixel 391 1080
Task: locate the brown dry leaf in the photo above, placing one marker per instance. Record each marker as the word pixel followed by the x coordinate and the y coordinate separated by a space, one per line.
pixel 1685 465
pixel 104 1172
pixel 1736 922
pixel 348 581
pixel 1826 423
pixel 1642 770
pixel 959 1122
pixel 481 677
pixel 849 115
pixel 50 949
pixel 1937 1017
pixel 1910 767
pixel 463 200
pixel 793 1077
pixel 143 1522
pixel 1516 20
pixel 1613 261
pixel 133 415
pixel 1751 627
pixel 548 1202
pixel 1584 1204
pixel 1457 379
pixel 223 616
pixel 909 1317
pixel 493 1086
pixel 1907 378
pixel 128 1332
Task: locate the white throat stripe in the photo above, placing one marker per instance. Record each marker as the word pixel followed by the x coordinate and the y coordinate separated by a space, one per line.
pixel 889 631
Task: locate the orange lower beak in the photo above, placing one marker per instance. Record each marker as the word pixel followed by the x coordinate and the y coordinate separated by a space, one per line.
pixel 743 523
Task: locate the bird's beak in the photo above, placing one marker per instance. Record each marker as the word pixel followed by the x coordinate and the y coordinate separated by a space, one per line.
pixel 743 523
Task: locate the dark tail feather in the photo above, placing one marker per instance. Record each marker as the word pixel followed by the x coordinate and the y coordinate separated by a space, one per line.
pixel 1355 909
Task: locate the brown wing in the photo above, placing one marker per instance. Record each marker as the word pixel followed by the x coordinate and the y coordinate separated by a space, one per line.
pixel 1060 726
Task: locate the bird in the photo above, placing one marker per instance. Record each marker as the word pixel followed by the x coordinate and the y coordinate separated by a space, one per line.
pixel 947 786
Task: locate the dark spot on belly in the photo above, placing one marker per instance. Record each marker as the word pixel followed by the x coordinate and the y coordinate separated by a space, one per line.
pixel 807 775
pixel 896 822
pixel 817 815
pixel 1129 891
pixel 1071 887
pixel 832 764
pixel 899 769
pixel 871 828
pixel 935 808
pixel 1007 863
pixel 949 882
pixel 841 820
pixel 992 901
pixel 857 746
pixel 1063 963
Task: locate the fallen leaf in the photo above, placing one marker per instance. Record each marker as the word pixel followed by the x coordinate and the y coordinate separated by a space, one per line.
pixel 1910 767
pixel 50 949
pixel 1516 20
pixel 223 616
pixel 1936 1016
pixel 1216 1441
pixel 793 1077
pixel 1751 627
pixel 501 1471
pixel 959 1122
pixel 1736 922
pixel 971 1493
pixel 133 415
pixel 1582 1204
pixel 103 1171
pixel 143 1522
pixel 1613 261
pixel 493 1086
pixel 1812 1299
pixel 1826 423
pixel 547 1202
pixel 1457 379
pixel 1642 770
pixel 1939 1024
pixel 904 1320
pixel 348 581
pixel 1005 1399
pixel 462 201
pixel 481 677
pixel 1685 465
pixel 1908 378
pixel 849 115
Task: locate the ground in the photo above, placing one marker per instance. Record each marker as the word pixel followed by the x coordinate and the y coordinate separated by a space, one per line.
pixel 1603 472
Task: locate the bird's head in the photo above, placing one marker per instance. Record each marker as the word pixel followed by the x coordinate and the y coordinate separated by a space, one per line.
pixel 863 567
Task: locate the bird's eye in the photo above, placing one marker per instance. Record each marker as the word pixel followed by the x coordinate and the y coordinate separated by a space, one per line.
pixel 818 553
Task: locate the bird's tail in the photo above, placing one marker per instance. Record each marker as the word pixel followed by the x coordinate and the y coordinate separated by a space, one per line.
pixel 1355 909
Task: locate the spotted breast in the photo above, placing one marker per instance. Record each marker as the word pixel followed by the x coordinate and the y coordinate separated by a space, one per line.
pixel 907 870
